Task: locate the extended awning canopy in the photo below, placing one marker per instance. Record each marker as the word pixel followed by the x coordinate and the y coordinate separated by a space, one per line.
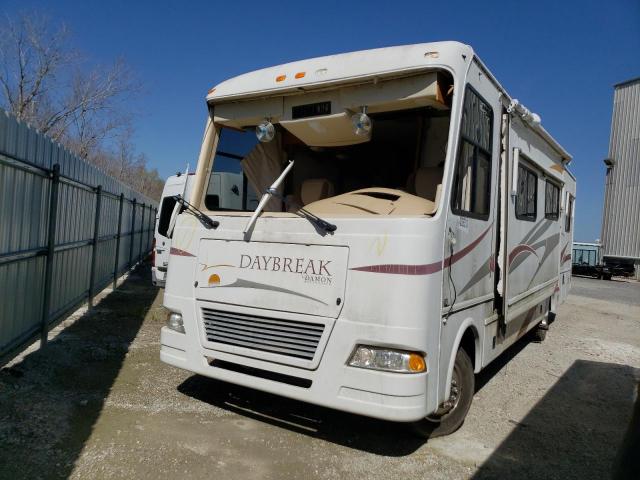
pixel 323 118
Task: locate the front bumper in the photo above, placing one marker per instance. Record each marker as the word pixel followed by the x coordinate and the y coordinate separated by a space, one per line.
pixel 383 395
pixel 158 277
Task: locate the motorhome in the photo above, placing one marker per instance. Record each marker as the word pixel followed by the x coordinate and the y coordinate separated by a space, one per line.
pixel 411 226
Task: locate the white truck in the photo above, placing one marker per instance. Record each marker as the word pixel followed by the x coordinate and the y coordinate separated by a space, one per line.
pixel 413 224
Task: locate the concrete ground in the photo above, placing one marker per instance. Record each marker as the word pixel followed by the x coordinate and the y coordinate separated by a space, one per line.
pixel 97 403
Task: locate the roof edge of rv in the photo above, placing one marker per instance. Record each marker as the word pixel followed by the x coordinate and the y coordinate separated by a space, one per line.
pixel 328 70
pixel 446 48
pixel 343 81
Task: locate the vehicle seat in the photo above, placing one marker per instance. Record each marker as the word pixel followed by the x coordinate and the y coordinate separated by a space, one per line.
pixel 314 189
pixel 427 182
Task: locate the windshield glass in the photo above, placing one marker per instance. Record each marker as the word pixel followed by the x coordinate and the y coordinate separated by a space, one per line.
pixel 405 153
pixel 228 187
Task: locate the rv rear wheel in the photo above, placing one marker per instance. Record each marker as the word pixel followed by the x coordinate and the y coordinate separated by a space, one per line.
pixel 538 334
pixel 451 414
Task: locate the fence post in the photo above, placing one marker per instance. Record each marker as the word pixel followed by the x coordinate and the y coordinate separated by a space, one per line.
pixel 51 243
pixel 141 232
pixel 94 251
pixel 116 261
pixel 133 230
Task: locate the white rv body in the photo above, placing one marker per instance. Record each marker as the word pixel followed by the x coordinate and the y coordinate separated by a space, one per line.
pixel 283 308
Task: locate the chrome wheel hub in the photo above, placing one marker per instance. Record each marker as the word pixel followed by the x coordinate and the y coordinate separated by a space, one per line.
pixel 454 397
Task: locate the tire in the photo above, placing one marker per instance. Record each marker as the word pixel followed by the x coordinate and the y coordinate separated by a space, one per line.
pixel 538 334
pixel 438 425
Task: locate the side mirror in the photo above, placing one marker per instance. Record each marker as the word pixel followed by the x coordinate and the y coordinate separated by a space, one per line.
pixel 177 208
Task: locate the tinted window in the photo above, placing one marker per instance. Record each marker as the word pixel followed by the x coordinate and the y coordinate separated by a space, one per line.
pixel 472 185
pixel 551 201
pixel 527 199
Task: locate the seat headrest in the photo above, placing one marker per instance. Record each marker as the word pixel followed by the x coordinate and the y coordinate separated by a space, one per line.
pixel 427 180
pixel 315 189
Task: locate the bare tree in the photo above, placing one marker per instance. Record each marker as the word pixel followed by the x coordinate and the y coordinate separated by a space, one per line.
pixel 32 57
pixel 46 83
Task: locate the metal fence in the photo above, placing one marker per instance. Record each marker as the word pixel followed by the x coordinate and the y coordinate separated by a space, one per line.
pixel 66 230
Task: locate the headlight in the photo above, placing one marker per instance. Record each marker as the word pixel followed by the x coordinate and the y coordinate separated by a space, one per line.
pixel 377 358
pixel 174 322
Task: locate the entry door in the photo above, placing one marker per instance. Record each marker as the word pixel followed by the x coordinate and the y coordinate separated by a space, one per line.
pixel 470 236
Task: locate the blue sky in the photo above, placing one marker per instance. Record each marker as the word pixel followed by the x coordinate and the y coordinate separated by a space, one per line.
pixel 560 58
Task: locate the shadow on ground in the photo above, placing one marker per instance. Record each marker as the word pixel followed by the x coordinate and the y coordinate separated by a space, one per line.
pixel 50 401
pixel 577 423
pixel 353 431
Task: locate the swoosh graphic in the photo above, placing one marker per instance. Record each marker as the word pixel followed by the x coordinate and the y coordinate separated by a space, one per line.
pixel 207 267
pixel 424 269
pixel 519 249
pixel 564 257
pixel 241 283
pixel 180 253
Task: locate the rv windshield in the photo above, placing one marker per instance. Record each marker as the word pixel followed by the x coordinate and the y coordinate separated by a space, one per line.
pixel 397 172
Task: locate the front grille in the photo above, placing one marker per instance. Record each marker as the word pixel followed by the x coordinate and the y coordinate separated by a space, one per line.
pixel 285 337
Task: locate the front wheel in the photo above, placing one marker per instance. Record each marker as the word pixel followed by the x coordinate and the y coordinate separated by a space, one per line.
pixel 451 414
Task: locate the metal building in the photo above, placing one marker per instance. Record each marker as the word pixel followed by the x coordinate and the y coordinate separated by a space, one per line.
pixel 621 215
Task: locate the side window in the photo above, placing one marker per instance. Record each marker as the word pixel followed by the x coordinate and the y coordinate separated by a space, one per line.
pixel 568 217
pixel 472 184
pixel 551 201
pixel 166 209
pixel 527 199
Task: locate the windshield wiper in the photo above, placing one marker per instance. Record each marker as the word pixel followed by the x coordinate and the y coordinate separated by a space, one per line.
pixel 304 213
pixel 326 226
pixel 270 192
pixel 204 219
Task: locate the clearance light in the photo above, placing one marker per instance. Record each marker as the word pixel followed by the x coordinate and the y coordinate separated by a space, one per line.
pixel 376 358
pixel 281 78
pixel 174 322
pixel 211 90
pixel 265 131
pixel 300 75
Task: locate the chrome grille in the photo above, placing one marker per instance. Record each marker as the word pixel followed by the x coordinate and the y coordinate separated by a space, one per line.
pixel 285 337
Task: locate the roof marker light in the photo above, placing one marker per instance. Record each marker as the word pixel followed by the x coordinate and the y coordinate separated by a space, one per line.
pixel 432 55
pixel 281 78
pixel 300 74
pixel 211 90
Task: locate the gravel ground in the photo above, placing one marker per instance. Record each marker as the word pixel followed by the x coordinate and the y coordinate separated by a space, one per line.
pixel 97 403
pixel 616 290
